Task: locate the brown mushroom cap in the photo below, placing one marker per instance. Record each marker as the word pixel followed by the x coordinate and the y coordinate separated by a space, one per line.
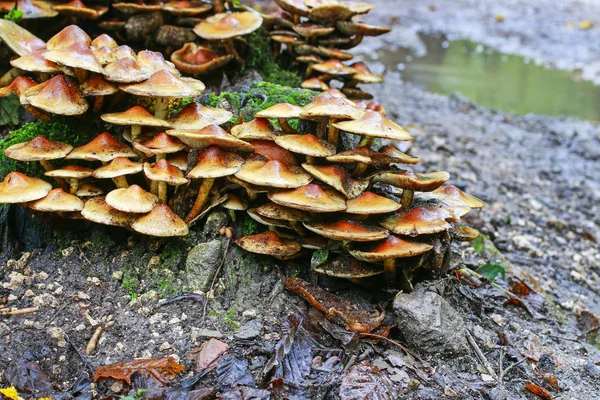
pixel 258 128
pixel 104 40
pixel 159 144
pixel 314 84
pixel 70 172
pixel 187 8
pixel 98 86
pixel 20 188
pixel 120 166
pixel 133 199
pixel 272 151
pixel 165 84
pixel 352 28
pixel 215 163
pixel 19 39
pixel 280 110
pixel 363 74
pixel 136 8
pixel 18 87
pixel 38 148
pixel 294 7
pixel 348 267
pixel 339 178
pixel 333 67
pixel 162 222
pixel 419 220
pixel 311 198
pixel 287 39
pixel 68 36
pixel 87 189
pixel 334 92
pixel 58 95
pixel 97 210
pixel 412 180
pixel 31 9
pixel 268 243
pixel 210 135
pixel 57 200
pixel 103 147
pixel 179 160
pixel 273 173
pixel 347 229
pixel 391 248
pixel 35 62
pixel 76 55
pixel 126 70
pixel 370 203
pixel 451 192
pixel 162 171
pixel 197 116
pixel 397 156
pixel 268 221
pixel 225 26
pixel 235 203
pixel 78 9
pixel 194 60
pixel 306 144
pixel 136 115
pixel 309 30
pixel 279 212
pixel 464 233
pixel 374 124
pixel 327 106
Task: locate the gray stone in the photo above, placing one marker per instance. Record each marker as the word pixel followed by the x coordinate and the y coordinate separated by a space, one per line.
pixel 250 330
pixel 201 264
pixel 429 324
pixel 214 222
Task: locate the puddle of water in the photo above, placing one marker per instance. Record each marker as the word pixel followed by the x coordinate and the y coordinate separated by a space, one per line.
pixel 495 80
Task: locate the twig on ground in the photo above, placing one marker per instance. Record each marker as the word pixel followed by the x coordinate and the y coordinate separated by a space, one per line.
pixel 187 296
pixel 481 356
pixel 93 343
pixel 10 313
pixel 400 345
pixel 214 280
pixel 82 254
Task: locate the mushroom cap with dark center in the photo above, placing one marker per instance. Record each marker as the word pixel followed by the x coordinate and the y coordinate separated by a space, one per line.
pixel 159 144
pixel 333 67
pixel 370 203
pixel 314 84
pixel 136 115
pixel 132 199
pixel 58 95
pixel 348 267
pixel 38 148
pixel 18 87
pixel 197 116
pixel 419 220
pixel 411 180
pixel 98 86
pixel 338 178
pixel 210 135
pixel 306 144
pixel 268 221
pixel 215 163
pixel 161 222
pixel 374 124
pixel 268 243
pixel 228 25
pixel 165 84
pixel 390 248
pixel 309 30
pixel 327 106
pixel 235 203
pixel 120 166
pixel 397 156
pixel 70 172
pixel 294 7
pixel 273 173
pixel 463 233
pixel 311 198
pixel 277 211
pixel 104 40
pixel 97 210
pixel 162 171
pixel 193 59
pixel 103 147
pixel 87 189
pixel 19 39
pixel 126 70
pixel 78 9
pixel 348 229
pixel 272 151
pixel 68 36
pixel 452 192
pixel 20 188
pixel 35 62
pixel 57 200
pixel 258 128
pixel 352 28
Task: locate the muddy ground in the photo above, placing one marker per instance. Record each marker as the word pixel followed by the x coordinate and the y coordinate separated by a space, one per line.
pixel 539 177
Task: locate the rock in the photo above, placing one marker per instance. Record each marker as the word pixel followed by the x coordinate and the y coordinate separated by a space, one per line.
pixel 250 313
pixel 429 324
pixel 45 299
pixel 150 295
pixel 165 346
pixel 201 333
pixel 214 222
pixel 250 330
pixel 201 264
pixel 59 335
pixel 118 275
pixel 16 280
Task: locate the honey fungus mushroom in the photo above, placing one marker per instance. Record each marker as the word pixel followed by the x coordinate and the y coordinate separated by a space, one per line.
pixel 72 174
pixel 269 243
pixel 132 199
pixel 136 117
pixel 162 174
pixel 20 188
pixel 58 95
pixel 196 60
pixel 57 200
pixel 161 222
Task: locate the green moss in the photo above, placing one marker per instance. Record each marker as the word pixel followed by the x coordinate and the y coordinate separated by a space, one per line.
pixel 173 254
pixel 248 226
pixel 131 285
pixel 168 287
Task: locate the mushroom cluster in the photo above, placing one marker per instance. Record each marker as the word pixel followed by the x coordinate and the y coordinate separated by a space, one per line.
pixel 316 34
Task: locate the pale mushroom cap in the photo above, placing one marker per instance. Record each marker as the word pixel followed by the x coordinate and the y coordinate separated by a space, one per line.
pixel 68 36
pixel 419 220
pixel 136 115
pixel 273 173
pixel 391 248
pixel 133 199
pixel 103 147
pixel 58 95
pixel 88 190
pixel 76 55
pixel 364 75
pixel 268 243
pixel 197 116
pixel 162 171
pixel 454 193
pixel 154 61
pixel 306 144
pixel 19 39
pixel 333 67
pixel 126 70
pixel 79 9
pixel 38 148
pixel 57 200
pixel 20 188
pixel 397 156
pixel 268 221
pixel 355 231
pixel 361 28
pixel 35 62
pixel 327 106
pixel 162 222
pixel 225 26
pixel 464 233
pixel 311 198
pixel 104 40
pixel 280 110
pixel 413 181
pixel 97 210
pixel 179 160
pixel 371 203
pixel 194 60
pixel 18 87
pixel 70 172
pixel 258 128
pixel 272 151
pixel 235 203
pixel 215 163
pixel 277 211
pixel 120 166
pixel 98 86
pixel 294 7
pixel 211 135
pixel 338 178
pixel 159 144
pixel 314 84
pixel 348 267
pixel 374 124
pixel 165 84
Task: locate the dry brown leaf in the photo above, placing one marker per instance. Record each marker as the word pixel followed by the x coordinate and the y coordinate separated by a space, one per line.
pixel 207 355
pixel 163 370
pixel 538 391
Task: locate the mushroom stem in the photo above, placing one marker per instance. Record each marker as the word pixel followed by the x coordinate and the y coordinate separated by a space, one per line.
pixel 121 182
pixel 48 166
pixel 230 48
pixel 231 215
pixel 310 159
pixel 365 141
pixel 251 194
pixel 136 130
pixel 98 103
pixel 389 267
pixel 73 185
pixel 332 134
pixel 322 129
pixel 154 187
pixel 162 192
pixel 276 49
pixel 8 77
pixel 298 228
pixel 218 6
pixel 201 199
pixel 161 109
pixel 405 282
pixel 407 198
pixel 81 74
pixel 285 126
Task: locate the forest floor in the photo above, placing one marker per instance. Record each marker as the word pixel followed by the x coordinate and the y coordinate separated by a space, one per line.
pixel 538 175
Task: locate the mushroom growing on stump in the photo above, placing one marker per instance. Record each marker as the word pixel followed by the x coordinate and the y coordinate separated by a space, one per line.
pixel 387 252
pixel 210 135
pixel 196 116
pixel 269 243
pixel 234 203
pixel 278 212
pixel 419 220
pixel 136 116
pixel 161 222
pixel 58 95
pixel 117 170
pixel 226 26
pixel 451 192
pixel 273 173
pixel 338 178
pixel 159 145
pixel 98 87
pixel 257 129
pixel 133 199
pixel 72 174
pixel 57 200
pixel 348 267
pixel 98 211
pixel 196 60
pixel 312 198
pixel 307 145
pixel 163 174
pixel 20 188
pixel 87 189
pixel 104 148
pixel 39 149
pixel 35 62
pixel 410 181
pixel 314 84
pixel 348 230
pixel 370 203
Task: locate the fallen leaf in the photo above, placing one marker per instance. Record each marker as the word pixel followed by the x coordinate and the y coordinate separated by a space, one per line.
pixel 521 289
pixel 27 376
pixel 11 393
pixel 587 24
pixel 163 370
pixel 538 391
pixel 364 381
pixel 208 353
pixel 232 370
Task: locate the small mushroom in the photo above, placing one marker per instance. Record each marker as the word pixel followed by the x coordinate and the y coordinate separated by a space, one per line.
pixel 307 144
pixel 117 170
pixel 369 203
pixel 57 200
pixel 161 222
pixel 163 174
pixel 348 230
pixel 312 198
pixel 98 87
pixel 338 178
pixel 58 95
pixel 314 84
pixel 196 116
pixel 39 149
pixel 283 112
pixel 210 135
pixel 136 116
pixel 327 109
pixel 273 173
pixel 104 148
pixel 411 181
pixel 269 243
pixel 419 220
pixel 19 39
pixel 257 129
pixel 132 199
pixel 196 60
pixel 73 174
pixel 20 188
pixel 98 211
pixel 348 267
